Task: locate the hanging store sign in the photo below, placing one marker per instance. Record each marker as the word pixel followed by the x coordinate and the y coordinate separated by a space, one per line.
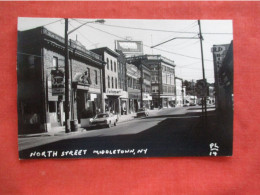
pixel 57 82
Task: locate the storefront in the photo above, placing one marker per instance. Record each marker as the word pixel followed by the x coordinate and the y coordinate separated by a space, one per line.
pixel 124 104
pixel 147 100
pixel 134 102
pixel 112 100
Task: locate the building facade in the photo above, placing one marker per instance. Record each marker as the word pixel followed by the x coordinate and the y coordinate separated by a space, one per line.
pixel 122 83
pixel 113 93
pixel 41 80
pixel 162 80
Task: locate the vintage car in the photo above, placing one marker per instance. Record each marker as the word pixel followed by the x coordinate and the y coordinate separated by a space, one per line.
pixel 104 120
pixel 142 112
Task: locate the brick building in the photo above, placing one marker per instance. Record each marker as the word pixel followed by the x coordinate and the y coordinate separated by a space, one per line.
pixel 158 78
pixel 40 67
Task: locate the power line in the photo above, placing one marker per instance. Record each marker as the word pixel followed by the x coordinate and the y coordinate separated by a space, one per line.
pixel 146 45
pixel 81 34
pixel 53 22
pixel 168 31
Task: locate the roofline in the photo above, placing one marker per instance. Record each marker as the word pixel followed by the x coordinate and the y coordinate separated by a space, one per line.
pixel 108 50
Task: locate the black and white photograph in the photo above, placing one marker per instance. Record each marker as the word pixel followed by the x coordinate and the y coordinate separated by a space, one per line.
pixel 117 88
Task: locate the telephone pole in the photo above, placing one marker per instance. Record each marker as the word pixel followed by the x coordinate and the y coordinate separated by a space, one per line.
pixel 204 99
pixel 67 103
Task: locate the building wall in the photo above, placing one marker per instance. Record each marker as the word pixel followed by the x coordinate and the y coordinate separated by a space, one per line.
pixel 111 73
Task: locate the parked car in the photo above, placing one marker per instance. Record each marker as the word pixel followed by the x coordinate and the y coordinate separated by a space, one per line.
pixel 104 120
pixel 142 112
pixel 192 104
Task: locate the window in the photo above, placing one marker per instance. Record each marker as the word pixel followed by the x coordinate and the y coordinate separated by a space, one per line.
pixel 107 64
pixel 96 77
pixel 55 62
pixel 111 65
pixel 112 81
pixel 115 66
pixel 88 72
pixel 108 82
pixel 116 83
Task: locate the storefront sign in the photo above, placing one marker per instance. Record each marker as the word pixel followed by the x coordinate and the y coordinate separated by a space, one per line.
pixel 114 92
pixel 57 82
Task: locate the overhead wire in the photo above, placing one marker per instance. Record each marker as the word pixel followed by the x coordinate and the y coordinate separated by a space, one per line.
pixel 145 44
pixel 158 30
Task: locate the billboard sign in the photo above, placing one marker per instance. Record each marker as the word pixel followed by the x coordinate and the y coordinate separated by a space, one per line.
pixel 57 82
pixel 130 47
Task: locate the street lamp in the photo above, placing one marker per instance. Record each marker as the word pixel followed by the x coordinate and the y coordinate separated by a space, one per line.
pixel 67 103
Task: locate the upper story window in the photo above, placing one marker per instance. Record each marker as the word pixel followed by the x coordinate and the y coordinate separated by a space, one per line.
pixel 55 62
pixel 118 67
pixel 116 83
pixel 96 77
pixel 112 82
pixel 115 66
pixel 108 82
pixel 107 64
pixel 111 65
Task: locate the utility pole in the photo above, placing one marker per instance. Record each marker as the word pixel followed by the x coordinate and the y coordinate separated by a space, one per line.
pixel 159 91
pixel 141 83
pixel 67 104
pixel 204 103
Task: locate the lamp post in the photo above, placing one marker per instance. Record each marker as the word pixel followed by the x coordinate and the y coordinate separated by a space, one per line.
pixel 67 92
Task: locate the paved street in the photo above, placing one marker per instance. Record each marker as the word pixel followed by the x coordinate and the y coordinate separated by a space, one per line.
pixel 165 132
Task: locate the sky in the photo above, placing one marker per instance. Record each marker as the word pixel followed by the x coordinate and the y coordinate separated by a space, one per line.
pixel 185 53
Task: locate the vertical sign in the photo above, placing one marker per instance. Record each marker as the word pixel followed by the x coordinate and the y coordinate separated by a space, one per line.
pixel 57 82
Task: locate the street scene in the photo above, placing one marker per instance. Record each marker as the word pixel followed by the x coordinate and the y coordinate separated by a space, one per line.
pixel 116 88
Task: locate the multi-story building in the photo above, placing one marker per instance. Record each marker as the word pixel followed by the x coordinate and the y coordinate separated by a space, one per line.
pixel 144 81
pixel 133 87
pixel 162 71
pixel 40 71
pixel 179 92
pixel 112 93
pixel 122 82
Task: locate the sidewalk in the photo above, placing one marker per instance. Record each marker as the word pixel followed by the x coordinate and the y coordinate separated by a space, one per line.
pixel 56 131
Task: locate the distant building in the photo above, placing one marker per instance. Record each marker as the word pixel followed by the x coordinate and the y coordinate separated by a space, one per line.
pixel 162 80
pixel 179 92
pixel 40 70
pixel 133 87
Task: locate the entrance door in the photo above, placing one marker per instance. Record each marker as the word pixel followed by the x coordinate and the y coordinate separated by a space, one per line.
pixel 80 103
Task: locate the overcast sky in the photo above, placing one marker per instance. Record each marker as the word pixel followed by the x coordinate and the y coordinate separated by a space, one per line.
pixel 185 52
